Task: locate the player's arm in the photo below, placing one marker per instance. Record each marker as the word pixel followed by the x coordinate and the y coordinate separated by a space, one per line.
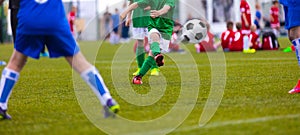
pixel 129 10
pixel 128 20
pixel 245 19
pixel 156 13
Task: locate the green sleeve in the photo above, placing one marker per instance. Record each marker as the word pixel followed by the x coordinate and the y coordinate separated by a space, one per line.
pixel 170 3
pixel 143 3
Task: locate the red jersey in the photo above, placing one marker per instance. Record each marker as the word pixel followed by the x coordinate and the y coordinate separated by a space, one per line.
pixel 207 45
pixel 237 42
pixel 254 38
pixel 225 38
pixel 274 12
pixel 71 19
pixel 245 9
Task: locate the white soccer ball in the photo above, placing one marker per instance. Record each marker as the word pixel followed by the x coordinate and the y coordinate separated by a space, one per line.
pixel 194 31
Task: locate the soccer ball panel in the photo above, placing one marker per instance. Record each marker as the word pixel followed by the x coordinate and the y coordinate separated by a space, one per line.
pixel 194 31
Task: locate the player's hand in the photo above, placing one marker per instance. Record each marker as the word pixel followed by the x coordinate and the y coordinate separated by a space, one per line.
pixel 128 22
pixel 147 8
pixel 123 16
pixel 154 13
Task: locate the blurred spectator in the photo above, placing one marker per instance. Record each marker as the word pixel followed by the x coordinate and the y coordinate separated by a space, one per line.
pixel 254 39
pixel 107 22
pixel 274 17
pixel 125 29
pixel 226 36
pixel 258 18
pixel 114 35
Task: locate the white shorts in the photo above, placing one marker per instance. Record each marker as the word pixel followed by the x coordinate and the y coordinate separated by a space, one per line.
pixel 139 33
pixel 164 44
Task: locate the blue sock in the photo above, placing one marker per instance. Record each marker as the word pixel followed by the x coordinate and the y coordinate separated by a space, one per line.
pixel 95 81
pixel 8 80
pixel 296 43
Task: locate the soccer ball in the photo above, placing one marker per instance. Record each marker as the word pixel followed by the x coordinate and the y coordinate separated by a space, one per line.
pixel 194 31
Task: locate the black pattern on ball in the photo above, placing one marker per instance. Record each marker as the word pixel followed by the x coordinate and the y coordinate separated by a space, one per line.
pixel 202 24
pixel 199 36
pixel 190 26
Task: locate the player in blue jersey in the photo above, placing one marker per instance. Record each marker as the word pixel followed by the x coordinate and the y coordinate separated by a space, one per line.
pixel 37 28
pixel 292 23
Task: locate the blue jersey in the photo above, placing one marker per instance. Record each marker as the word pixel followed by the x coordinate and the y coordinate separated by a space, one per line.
pixel 42 17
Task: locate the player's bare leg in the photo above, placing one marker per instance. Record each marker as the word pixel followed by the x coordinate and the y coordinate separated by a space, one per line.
pixel 294 36
pixel 92 77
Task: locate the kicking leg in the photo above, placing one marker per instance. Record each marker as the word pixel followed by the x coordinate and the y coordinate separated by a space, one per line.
pixel 294 36
pixel 92 77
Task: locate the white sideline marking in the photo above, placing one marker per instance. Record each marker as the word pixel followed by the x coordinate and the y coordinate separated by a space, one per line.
pixel 236 122
pixel 221 124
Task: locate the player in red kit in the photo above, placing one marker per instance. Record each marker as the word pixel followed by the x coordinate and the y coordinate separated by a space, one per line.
pixel 245 17
pixel 274 17
pixel 71 19
pixel 246 24
pixel 207 45
pixel 254 38
pixel 237 42
pixel 226 36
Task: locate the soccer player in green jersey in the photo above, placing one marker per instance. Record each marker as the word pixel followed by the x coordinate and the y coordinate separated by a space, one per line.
pixel 160 29
pixel 140 19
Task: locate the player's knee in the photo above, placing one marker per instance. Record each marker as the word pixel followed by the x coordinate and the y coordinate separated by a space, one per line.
pixel 294 33
pixel 140 43
pixel 155 37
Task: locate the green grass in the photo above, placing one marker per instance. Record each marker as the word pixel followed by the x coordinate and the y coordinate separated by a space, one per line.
pixel 255 99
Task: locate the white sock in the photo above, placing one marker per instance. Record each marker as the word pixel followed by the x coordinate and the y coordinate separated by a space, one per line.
pixel 92 77
pixel 246 42
pixel 8 80
pixel 296 43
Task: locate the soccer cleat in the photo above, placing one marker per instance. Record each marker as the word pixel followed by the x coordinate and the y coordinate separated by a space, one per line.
pixel 249 51
pixel 159 58
pixel 4 115
pixel 154 72
pixel 136 72
pixel 111 108
pixel 137 80
pixel 296 89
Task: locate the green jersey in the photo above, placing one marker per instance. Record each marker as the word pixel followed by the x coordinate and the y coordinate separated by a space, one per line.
pixel 140 17
pixel 164 24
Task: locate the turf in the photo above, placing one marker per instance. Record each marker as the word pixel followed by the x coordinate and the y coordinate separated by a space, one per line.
pixel 48 96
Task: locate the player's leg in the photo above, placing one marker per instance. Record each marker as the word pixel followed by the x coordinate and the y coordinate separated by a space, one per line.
pixel 154 56
pixel 292 23
pixel 10 75
pixel 140 55
pixel 294 36
pixel 92 77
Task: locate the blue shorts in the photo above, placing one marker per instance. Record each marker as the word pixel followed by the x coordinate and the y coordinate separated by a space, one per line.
pixel 58 45
pixel 292 15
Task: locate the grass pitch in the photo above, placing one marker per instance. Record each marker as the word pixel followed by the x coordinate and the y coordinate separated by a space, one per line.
pixel 255 99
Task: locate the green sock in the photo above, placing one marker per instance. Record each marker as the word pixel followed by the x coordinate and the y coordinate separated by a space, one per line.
pixel 154 66
pixel 154 47
pixel 140 56
pixel 147 65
